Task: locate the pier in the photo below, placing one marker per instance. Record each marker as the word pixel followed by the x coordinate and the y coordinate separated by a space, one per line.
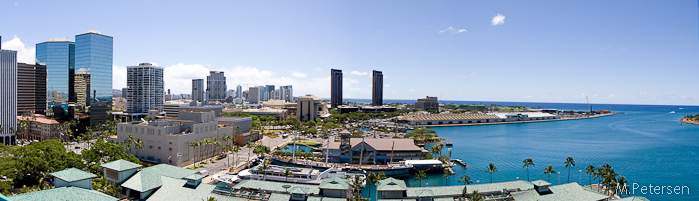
pixel 458 161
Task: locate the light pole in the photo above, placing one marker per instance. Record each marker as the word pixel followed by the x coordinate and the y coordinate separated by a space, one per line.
pixel 559 178
pixel 580 180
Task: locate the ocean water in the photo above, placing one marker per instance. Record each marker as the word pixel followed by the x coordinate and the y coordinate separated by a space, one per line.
pixel 648 146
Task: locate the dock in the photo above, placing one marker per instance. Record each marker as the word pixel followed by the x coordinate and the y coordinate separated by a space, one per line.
pixel 459 161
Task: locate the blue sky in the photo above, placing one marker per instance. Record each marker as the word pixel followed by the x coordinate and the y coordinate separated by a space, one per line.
pixel 635 52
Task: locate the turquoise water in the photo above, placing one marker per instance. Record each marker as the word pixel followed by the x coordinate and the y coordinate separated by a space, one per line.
pixel 647 145
pixel 298 148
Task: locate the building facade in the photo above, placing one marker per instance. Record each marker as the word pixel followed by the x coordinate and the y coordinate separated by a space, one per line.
pixel 198 90
pixel 216 86
pixel 286 93
pixel 8 95
pixel 427 103
pixel 31 89
pixel 254 95
pixel 58 55
pixel 377 88
pixel 145 88
pixel 239 92
pixel 310 107
pixel 40 128
pixel 93 56
pixel 335 88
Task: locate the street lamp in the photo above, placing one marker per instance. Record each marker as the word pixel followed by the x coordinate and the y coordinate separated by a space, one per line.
pixel 580 180
pixel 559 178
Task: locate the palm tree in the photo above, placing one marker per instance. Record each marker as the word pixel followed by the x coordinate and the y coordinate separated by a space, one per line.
pixel 358 197
pixel 623 188
pixel 201 146
pixel 491 168
pixel 569 163
pixel 372 178
pixel 250 146
pixel 590 171
pixel 465 179
pixel 138 145
pixel 382 176
pixel 127 142
pixel 228 149
pixel 549 170
pixel 235 150
pixel 475 196
pixel 195 145
pixel 264 168
pixel 447 173
pixel 208 142
pixel 356 184
pixel 287 174
pixel 528 162
pixel 420 175
pixel 219 145
pixel 598 176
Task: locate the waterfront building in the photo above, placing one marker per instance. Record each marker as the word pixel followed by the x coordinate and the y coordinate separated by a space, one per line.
pixel 335 88
pixel 216 86
pixel 145 88
pixel 427 103
pixel 310 107
pixel 198 90
pixel 376 151
pixel 475 118
pixel 58 55
pixel 93 57
pixel 8 95
pixel 31 89
pixel 377 88
pixel 239 91
pixel 40 128
pixel 254 95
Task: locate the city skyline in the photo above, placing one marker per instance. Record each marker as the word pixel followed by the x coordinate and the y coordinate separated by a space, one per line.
pixel 614 55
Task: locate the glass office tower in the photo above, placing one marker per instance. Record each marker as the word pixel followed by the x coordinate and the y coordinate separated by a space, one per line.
pixel 58 55
pixel 93 58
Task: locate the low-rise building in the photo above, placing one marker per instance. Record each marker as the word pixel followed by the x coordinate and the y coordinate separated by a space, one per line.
pixel 376 151
pixel 267 112
pixel 40 128
pixel 475 118
pixel 427 103
pixel 310 107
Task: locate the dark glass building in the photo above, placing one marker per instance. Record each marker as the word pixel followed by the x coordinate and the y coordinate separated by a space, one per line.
pixel 31 89
pixel 93 59
pixel 335 87
pixel 58 55
pixel 377 89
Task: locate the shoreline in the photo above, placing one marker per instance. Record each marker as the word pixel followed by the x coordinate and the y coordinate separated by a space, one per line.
pixel 520 122
pixel 689 121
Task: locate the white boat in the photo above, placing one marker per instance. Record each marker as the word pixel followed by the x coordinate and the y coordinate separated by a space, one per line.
pixel 228 179
pixel 298 175
pixel 673 112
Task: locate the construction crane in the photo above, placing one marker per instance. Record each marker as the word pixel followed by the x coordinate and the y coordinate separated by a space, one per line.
pixel 588 104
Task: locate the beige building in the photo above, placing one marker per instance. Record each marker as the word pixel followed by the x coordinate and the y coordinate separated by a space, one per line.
pixel 40 128
pixel 267 112
pixel 168 140
pixel 310 107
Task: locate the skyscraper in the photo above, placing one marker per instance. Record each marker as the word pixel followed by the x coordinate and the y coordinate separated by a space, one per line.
pixel 254 95
pixel 239 92
pixel 8 95
pixel 377 89
pixel 31 89
pixel 269 93
pixel 58 55
pixel 216 86
pixel 286 93
pixel 145 86
pixel 198 90
pixel 335 87
pixel 93 59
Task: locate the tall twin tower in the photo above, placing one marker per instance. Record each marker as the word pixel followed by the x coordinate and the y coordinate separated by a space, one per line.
pixel 336 88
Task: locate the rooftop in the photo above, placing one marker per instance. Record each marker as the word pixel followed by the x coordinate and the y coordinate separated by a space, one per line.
pixel 541 183
pixel 335 183
pixel 120 165
pixel 64 193
pixel 72 175
pixel 570 192
pixel 39 119
pixel 324 199
pixel 441 191
pixel 149 178
pixel 276 186
pixel 173 189
pixel 381 144
pixel 448 117
pixel 391 184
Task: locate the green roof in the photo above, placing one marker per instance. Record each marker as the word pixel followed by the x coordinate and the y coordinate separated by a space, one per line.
pixel 396 199
pixel 335 183
pixel 634 198
pixel 73 175
pixel 443 199
pixel 120 165
pixel 195 177
pixel 323 199
pixel 277 186
pixel 64 193
pixel 570 192
pixel 281 196
pixel 541 183
pixel 149 178
pixel 454 191
pixel 391 184
pixel 173 189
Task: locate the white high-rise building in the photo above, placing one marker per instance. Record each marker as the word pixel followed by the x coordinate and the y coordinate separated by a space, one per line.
pixel 239 92
pixel 8 95
pixel 216 86
pixel 254 95
pixel 286 93
pixel 145 88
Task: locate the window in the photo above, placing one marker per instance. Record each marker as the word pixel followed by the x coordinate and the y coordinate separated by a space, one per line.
pixel 158 148
pixel 150 147
pixel 169 142
pixel 170 148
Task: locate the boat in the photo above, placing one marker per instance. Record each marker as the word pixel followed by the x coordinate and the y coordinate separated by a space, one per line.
pixel 673 112
pixel 449 144
pixel 229 179
pixel 298 174
pixel 395 169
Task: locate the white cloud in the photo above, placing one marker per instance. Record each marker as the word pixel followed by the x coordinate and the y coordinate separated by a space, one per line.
pixel 642 93
pixel 499 19
pixel 317 69
pixel 453 30
pixel 298 74
pixel 354 72
pixel 118 77
pixel 24 54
